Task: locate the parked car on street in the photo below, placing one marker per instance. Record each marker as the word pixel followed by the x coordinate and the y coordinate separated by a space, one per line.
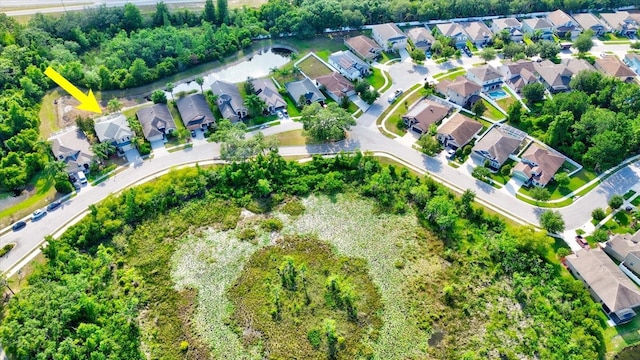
pixel 395 95
pixel 38 214
pixel 19 225
pixel 54 205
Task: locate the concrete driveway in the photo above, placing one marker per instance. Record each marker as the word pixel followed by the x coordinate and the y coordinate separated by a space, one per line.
pixel 133 156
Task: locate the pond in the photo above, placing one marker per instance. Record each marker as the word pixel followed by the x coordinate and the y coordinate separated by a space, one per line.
pixel 256 66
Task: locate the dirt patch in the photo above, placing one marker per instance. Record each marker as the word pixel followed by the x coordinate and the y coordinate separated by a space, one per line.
pixel 67 111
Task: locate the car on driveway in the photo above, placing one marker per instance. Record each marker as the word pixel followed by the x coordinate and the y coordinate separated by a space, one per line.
pixel 19 225
pixel 38 214
pixel 280 115
pixel 193 133
pixel 54 205
pixel 582 242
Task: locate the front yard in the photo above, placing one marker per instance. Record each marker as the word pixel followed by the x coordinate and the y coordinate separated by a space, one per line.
pixel 577 180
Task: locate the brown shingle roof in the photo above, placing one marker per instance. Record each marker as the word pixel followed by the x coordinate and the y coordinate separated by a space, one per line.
pixel 336 84
pixel 155 120
pixel 426 112
pixel 421 36
pixel 546 163
pixel 559 17
pixel 477 30
pixel 461 128
pixel 363 46
pixel 498 144
pixel 464 87
pixel 623 244
pixel 613 66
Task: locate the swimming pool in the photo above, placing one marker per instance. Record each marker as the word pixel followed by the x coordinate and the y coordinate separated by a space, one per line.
pixel 497 94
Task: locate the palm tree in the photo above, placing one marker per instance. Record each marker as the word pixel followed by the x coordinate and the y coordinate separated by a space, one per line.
pixel 296 71
pixel 199 81
pixel 54 167
pixel 169 89
pixel 254 104
pixel 103 150
pixel 114 105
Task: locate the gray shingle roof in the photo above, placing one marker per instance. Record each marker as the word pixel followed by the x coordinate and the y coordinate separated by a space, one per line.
pixel 266 90
pixel 304 88
pixel 113 128
pixel 155 120
pixel 388 31
pixel 461 128
pixel 498 144
pixel 195 111
pixel 230 101
pixel 73 148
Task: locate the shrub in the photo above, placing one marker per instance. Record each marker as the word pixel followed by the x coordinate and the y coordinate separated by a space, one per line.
pixel 62 183
pixel 616 201
pixel 247 234
pixel 598 214
pixel 184 346
pixel 5 249
pixel 467 150
pixel 506 170
pixel 272 224
pixel 293 208
pixel 315 338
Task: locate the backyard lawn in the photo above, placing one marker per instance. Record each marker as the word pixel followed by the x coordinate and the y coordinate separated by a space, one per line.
pixel 313 67
pixel 577 180
pixel 492 112
pixel 620 223
pixel 504 103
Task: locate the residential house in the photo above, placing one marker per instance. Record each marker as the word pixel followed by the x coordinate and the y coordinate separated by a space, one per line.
pixel 625 248
pixel 540 27
pixel 156 122
pixel 633 61
pixel 458 131
pixel 622 22
pixel 421 37
pixel 564 24
pixel 459 91
pixel 424 113
pixel 349 65
pixel 363 46
pixel 613 66
pixel 389 36
pixel 336 86
pixel 485 76
pixel 229 101
pixel 455 32
pixel 497 145
pixel 115 129
pixel 608 285
pixel 304 92
pixel 556 77
pixel 195 112
pixel 73 148
pixel 510 24
pixel 538 166
pixel 266 90
pixel 478 32
pixel 588 21
pixel 518 74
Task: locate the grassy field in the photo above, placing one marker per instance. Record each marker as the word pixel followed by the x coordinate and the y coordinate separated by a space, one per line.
pixel 313 67
pixel 492 112
pixel 450 75
pixel 43 194
pixel 394 122
pixel 48 114
pixel 504 103
pixel 291 138
pixel 376 79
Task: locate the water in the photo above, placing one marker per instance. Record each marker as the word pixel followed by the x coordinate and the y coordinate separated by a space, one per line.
pixel 497 94
pixel 257 66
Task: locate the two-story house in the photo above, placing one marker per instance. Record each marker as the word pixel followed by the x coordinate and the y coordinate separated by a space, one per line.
pixel 389 36
pixel 459 91
pixel 73 148
pixel 455 32
pixel 423 114
pixel 538 166
pixel 477 31
pixel 519 73
pixel 538 27
pixel 622 22
pixel 485 76
pixel 510 24
pixel 625 248
pixel 115 129
pixel 421 37
pixel 458 131
pixel 633 61
pixel 496 146
pixel 349 65
pixel 229 101
pixel 564 25
pixel 588 21
pixel 363 46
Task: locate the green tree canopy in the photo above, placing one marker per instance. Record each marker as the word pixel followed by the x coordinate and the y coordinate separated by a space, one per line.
pixel 552 221
pixel 328 123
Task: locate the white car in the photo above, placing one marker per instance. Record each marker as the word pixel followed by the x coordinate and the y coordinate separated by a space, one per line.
pixel 38 214
pixel 280 115
pixel 395 95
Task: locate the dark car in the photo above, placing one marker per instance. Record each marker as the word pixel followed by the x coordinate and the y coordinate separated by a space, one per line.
pixel 54 205
pixel 582 242
pixel 629 208
pixel 193 133
pixel 19 225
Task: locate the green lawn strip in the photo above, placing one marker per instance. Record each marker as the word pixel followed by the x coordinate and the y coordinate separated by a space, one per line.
pixel 636 201
pixel 492 112
pixel 376 79
pixel 180 147
pixel 450 74
pixel 394 122
pixel 97 174
pixel 629 194
pixel 560 204
pixel 44 194
pixel 291 138
pixel 48 114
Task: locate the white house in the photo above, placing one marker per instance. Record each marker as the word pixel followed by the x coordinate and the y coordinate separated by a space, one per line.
pixel 485 76
pixel 349 65
pixel 115 129
pixel 389 36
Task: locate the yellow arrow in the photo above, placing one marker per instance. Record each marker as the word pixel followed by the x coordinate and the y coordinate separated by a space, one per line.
pixel 87 102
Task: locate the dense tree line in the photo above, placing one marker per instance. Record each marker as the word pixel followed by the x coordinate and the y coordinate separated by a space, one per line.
pixel 84 298
pixel 596 124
